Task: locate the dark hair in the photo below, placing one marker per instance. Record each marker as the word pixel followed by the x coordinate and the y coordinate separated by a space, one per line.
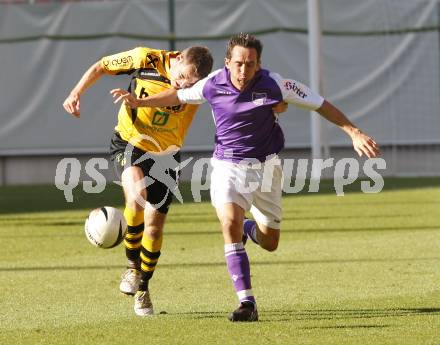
pixel 201 58
pixel 245 41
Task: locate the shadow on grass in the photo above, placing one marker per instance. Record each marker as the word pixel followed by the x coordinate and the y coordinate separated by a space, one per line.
pixel 214 232
pixel 347 327
pixel 325 315
pixel 165 266
pixel 344 314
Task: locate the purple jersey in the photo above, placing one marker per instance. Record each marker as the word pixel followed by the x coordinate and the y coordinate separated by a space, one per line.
pixel 246 127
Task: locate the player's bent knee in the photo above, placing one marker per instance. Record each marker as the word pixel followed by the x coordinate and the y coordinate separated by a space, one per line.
pixel 269 239
pixel 135 199
pixel 231 225
pixel 135 203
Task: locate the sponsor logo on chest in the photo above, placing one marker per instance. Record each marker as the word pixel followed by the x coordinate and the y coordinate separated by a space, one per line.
pixel 259 98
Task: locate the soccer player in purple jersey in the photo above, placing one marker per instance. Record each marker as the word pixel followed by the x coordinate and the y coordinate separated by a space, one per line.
pixel 247 141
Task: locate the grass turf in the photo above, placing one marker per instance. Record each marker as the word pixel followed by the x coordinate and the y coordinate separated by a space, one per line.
pixel 358 269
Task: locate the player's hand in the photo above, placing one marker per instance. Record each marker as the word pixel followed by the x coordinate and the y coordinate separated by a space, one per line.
pixel 126 97
pixel 280 107
pixel 363 144
pixel 72 104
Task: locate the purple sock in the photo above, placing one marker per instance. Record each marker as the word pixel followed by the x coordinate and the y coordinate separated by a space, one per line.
pixel 239 270
pixel 250 230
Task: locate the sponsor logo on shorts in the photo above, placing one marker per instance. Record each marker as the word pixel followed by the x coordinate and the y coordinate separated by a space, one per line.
pixel 120 158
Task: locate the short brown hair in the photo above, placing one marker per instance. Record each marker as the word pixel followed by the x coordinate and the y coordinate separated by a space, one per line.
pixel 245 41
pixel 200 57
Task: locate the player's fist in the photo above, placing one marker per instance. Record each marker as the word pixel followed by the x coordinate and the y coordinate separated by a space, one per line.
pixel 72 104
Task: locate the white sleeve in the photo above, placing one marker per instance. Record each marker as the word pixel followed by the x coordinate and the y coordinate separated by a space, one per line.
pixel 193 94
pixel 297 93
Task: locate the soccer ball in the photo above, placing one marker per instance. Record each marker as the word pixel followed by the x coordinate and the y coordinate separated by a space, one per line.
pixel 105 227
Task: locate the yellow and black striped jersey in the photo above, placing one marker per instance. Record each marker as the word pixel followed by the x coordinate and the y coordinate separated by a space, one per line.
pixel 150 129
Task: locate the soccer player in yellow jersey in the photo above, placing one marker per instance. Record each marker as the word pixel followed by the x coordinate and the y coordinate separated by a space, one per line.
pixel 145 139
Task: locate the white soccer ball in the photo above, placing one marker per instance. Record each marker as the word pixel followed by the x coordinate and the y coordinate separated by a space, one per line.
pixel 105 227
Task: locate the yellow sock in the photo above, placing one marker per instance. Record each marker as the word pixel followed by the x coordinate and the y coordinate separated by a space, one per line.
pixel 150 253
pixel 133 217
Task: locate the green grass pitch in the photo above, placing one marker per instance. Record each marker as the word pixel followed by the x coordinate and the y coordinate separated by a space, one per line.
pixel 359 269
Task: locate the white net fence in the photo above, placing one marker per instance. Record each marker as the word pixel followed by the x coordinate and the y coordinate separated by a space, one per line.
pixel 381 66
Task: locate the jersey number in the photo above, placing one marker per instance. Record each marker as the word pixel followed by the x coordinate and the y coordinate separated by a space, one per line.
pixel 143 93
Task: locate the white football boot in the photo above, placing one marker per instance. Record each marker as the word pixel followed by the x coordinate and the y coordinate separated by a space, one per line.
pixel 142 304
pixel 130 280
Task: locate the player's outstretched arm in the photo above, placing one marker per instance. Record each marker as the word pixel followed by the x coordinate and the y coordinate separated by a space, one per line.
pixel 362 143
pixel 161 99
pixel 72 102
